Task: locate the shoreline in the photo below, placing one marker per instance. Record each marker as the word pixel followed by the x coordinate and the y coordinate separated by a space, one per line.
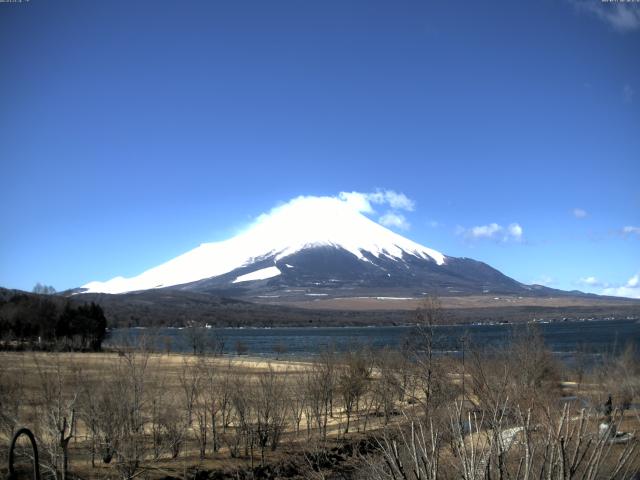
pixel 387 326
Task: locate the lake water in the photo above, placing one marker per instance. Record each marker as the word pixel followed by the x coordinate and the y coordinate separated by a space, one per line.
pixel 563 338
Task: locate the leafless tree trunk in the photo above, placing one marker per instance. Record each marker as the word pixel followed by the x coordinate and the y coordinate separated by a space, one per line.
pixel 190 378
pixel 58 397
pixel 297 401
pixel 270 406
pixel 353 375
pixel 131 399
pixel 387 388
pixel 319 382
pixel 428 316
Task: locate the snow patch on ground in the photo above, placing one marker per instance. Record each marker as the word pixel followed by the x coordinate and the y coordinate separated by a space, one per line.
pixel 394 298
pixel 261 274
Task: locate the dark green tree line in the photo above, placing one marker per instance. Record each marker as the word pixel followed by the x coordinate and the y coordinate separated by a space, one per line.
pixel 51 323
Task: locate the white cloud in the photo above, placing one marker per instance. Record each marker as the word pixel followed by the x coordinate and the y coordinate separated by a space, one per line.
pixel 515 231
pixel 630 289
pixel 579 213
pixel 627 93
pixel 619 16
pixel 394 220
pixel 485 231
pixel 493 231
pixel 358 201
pixel 363 202
pixel 398 201
pixel 630 230
pixel 590 281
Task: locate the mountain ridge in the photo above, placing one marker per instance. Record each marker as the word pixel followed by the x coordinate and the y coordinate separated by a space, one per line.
pixel 179 308
pixel 317 248
pixel 302 224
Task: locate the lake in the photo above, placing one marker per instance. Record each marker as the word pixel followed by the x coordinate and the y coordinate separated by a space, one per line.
pixel 563 338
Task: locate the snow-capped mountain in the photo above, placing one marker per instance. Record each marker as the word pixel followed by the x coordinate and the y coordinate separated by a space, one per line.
pixel 317 246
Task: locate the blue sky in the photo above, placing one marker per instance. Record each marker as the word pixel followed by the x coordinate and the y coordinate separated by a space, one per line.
pixel 131 132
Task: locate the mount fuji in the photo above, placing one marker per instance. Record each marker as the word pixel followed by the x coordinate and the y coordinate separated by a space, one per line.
pixel 317 247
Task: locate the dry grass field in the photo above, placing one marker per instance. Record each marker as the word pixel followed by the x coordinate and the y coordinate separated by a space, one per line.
pixel 136 414
pixel 178 394
pixel 453 302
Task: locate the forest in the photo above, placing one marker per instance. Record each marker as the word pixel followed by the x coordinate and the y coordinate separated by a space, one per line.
pixel 46 322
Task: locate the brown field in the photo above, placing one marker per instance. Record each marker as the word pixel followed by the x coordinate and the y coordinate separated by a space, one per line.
pixel 165 376
pixel 168 415
pixel 464 302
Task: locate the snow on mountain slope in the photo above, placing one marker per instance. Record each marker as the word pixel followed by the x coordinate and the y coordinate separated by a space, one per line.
pixel 304 222
pixel 261 274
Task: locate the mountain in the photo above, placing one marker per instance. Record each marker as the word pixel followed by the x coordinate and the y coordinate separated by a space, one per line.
pixel 315 247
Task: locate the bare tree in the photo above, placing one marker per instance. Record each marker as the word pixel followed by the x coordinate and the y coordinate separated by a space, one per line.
pixel 279 348
pixel 619 376
pixel 201 428
pixel 224 386
pixel 195 338
pixel 429 376
pixel 387 389
pixel 174 429
pixel 270 408
pixel 567 447
pixel 297 401
pixel 57 416
pixel 43 289
pixel 190 377
pixel 241 348
pixel 159 417
pixel 242 421
pixel 353 376
pixel 130 403
pixel 212 398
pixel 89 409
pixel 411 454
pixel 205 405
pixel 320 385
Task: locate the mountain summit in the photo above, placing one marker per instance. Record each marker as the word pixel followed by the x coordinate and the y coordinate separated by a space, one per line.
pixel 316 246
